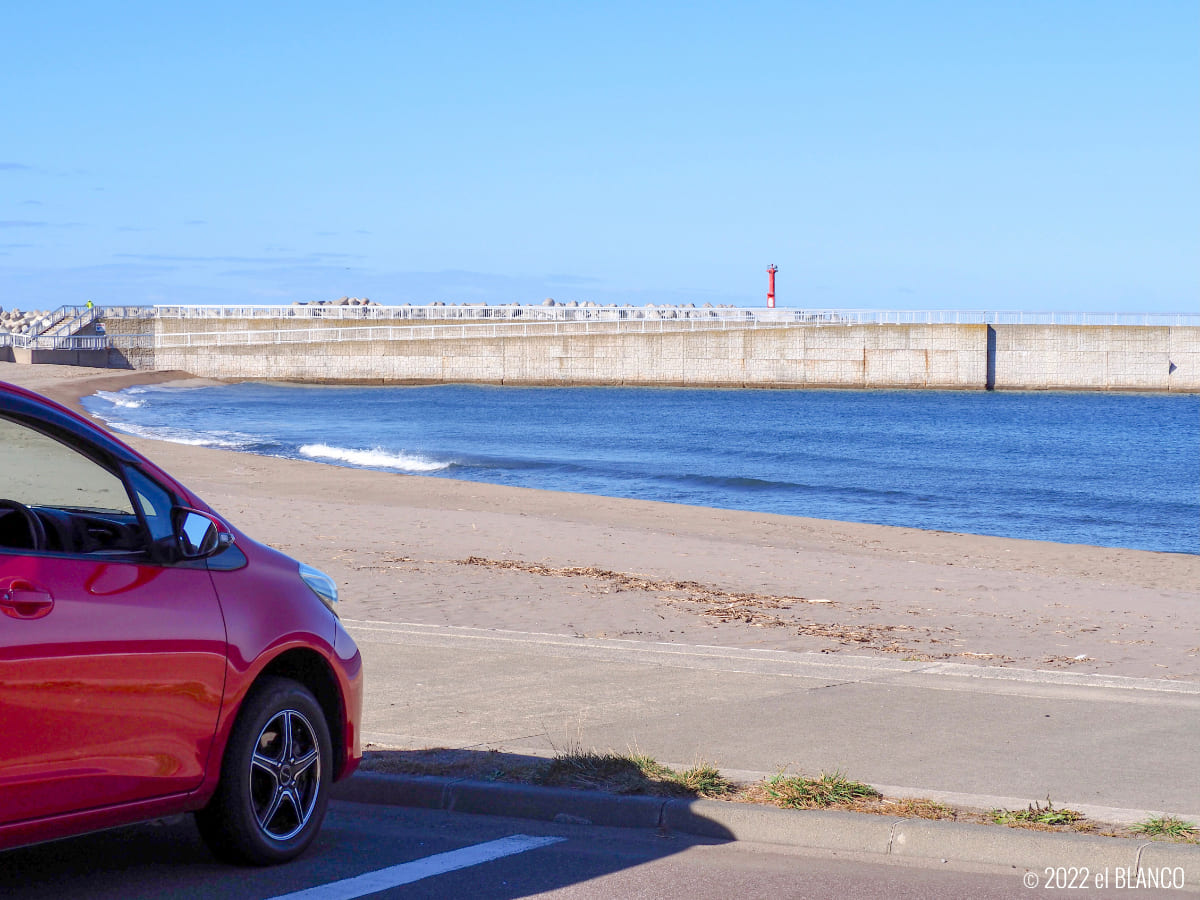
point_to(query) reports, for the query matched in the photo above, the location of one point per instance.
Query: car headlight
(322, 585)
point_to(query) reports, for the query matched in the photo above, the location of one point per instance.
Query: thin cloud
(34, 223)
(240, 260)
(15, 167)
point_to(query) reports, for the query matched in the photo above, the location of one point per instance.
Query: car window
(36, 470)
(155, 503)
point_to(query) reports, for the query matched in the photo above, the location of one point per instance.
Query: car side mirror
(199, 535)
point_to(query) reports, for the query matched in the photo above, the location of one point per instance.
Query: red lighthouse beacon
(771, 270)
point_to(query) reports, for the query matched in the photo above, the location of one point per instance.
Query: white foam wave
(224, 440)
(377, 458)
(116, 399)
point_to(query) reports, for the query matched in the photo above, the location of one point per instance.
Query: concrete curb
(1034, 851)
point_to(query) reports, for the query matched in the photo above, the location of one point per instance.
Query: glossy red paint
(258, 643)
(114, 694)
(122, 674)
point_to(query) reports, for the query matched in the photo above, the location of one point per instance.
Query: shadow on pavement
(167, 858)
(611, 773)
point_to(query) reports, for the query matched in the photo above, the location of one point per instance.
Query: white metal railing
(68, 320)
(441, 312)
(443, 331)
(467, 321)
(62, 323)
(1014, 317)
(54, 342)
(562, 313)
(549, 321)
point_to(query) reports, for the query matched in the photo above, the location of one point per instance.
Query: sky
(1037, 156)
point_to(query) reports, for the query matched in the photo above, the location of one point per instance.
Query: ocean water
(1118, 470)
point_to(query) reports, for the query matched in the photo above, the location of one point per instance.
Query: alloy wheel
(285, 775)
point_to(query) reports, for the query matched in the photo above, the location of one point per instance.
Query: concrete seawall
(972, 357)
(1081, 357)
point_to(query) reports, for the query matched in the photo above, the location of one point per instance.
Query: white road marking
(407, 873)
(755, 660)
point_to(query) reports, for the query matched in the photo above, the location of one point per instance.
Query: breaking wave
(377, 458)
(225, 440)
(117, 399)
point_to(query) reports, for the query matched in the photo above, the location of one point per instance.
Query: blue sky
(918, 155)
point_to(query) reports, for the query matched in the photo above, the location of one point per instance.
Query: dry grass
(1168, 828)
(635, 773)
(613, 773)
(1047, 817)
(826, 791)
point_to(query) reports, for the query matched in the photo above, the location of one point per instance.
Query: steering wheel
(37, 531)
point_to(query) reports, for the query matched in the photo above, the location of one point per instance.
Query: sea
(1107, 469)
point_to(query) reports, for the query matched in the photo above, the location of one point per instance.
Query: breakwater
(629, 346)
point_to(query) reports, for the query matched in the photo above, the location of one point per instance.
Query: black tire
(271, 799)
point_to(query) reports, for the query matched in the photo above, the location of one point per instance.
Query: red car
(153, 659)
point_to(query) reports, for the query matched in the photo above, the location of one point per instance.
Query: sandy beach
(433, 551)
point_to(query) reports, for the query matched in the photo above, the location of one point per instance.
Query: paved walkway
(1112, 747)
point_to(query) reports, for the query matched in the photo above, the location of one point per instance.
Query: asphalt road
(390, 844)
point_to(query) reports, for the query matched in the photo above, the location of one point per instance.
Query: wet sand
(415, 549)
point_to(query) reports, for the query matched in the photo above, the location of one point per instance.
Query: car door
(112, 656)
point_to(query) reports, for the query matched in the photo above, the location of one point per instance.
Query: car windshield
(37, 470)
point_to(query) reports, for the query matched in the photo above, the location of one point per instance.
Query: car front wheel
(275, 778)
